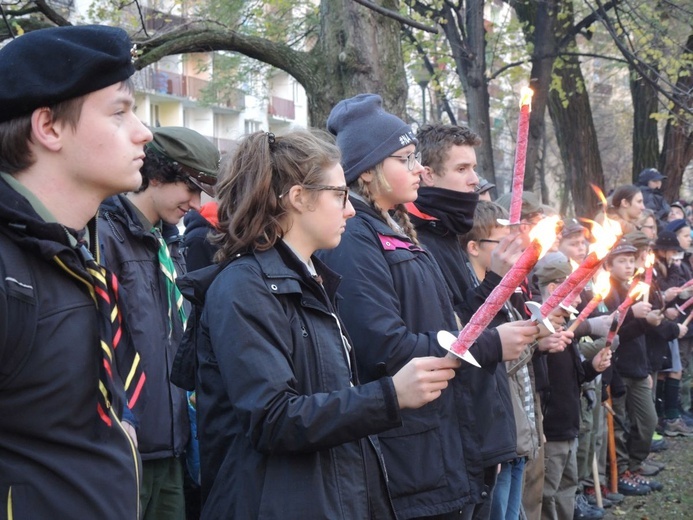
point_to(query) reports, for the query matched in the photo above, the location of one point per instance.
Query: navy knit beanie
(366, 134)
(48, 66)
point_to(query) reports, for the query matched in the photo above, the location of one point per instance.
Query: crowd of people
(281, 358)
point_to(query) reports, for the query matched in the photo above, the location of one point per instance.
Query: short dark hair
(159, 167)
(436, 139)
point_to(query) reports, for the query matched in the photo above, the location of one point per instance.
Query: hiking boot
(656, 463)
(648, 470)
(659, 445)
(653, 484)
(614, 498)
(584, 511)
(629, 487)
(676, 427)
(591, 497)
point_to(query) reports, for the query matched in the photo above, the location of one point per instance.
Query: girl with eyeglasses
(395, 300)
(285, 429)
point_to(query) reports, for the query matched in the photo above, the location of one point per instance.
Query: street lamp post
(422, 78)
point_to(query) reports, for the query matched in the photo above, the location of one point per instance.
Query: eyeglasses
(412, 158)
(324, 187)
(488, 240)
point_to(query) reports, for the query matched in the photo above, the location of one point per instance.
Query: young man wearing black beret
(69, 138)
(141, 245)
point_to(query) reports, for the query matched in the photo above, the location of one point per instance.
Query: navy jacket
(395, 301)
(131, 252)
(52, 462)
(283, 433)
(488, 387)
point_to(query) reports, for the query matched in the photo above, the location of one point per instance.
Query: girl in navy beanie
(395, 299)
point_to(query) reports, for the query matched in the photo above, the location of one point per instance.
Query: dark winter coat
(283, 433)
(395, 302)
(52, 463)
(131, 252)
(630, 358)
(199, 251)
(561, 401)
(488, 388)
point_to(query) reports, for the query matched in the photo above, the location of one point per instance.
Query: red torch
(520, 154)
(636, 291)
(601, 289)
(543, 236)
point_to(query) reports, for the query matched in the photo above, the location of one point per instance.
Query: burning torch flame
(605, 236)
(545, 232)
(602, 285)
(526, 94)
(637, 291)
(649, 261)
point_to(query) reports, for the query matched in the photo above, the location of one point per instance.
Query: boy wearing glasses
(141, 244)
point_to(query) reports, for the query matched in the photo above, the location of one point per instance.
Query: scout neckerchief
(167, 267)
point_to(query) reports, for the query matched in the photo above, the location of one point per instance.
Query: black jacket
(52, 463)
(131, 252)
(561, 401)
(488, 387)
(283, 433)
(395, 302)
(630, 359)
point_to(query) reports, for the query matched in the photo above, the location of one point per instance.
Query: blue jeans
(507, 495)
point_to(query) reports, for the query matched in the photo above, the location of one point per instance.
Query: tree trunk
(361, 52)
(539, 26)
(470, 62)
(571, 114)
(677, 152)
(356, 51)
(645, 137)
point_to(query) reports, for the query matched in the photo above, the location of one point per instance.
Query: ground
(676, 499)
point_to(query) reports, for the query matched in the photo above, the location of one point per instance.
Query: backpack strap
(21, 317)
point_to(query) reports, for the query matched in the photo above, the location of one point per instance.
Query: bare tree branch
(396, 16)
(50, 13)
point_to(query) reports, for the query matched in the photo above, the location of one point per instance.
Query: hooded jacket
(283, 421)
(395, 302)
(52, 462)
(131, 252)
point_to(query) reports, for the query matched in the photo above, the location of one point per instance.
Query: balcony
(282, 109)
(189, 87)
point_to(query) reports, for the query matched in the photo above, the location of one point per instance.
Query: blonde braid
(402, 218)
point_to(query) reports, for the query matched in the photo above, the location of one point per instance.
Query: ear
(473, 248)
(428, 177)
(45, 131)
(297, 199)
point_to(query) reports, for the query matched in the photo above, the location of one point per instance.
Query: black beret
(47, 66)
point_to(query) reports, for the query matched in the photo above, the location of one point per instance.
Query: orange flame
(637, 291)
(600, 195)
(545, 232)
(649, 261)
(526, 94)
(605, 235)
(638, 272)
(602, 285)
